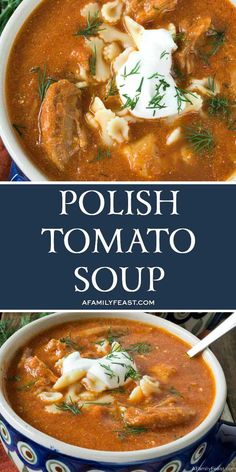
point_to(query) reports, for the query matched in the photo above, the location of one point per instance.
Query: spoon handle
(222, 329)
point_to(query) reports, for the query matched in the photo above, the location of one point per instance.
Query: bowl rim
(7, 133)
(128, 457)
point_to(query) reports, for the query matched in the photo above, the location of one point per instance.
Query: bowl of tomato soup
(111, 392)
(135, 91)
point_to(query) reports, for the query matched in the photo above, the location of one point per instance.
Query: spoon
(222, 329)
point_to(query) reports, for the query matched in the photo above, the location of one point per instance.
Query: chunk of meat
(62, 131)
(159, 417)
(144, 11)
(39, 370)
(142, 156)
(56, 350)
(193, 33)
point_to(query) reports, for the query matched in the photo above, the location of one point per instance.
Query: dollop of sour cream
(105, 373)
(146, 86)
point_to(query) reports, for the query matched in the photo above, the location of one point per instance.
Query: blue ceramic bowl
(211, 445)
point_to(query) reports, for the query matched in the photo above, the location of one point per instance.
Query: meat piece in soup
(130, 381)
(136, 90)
(148, 10)
(61, 123)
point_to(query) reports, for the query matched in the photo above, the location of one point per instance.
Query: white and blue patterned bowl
(211, 445)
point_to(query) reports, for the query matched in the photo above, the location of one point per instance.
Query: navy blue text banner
(92, 247)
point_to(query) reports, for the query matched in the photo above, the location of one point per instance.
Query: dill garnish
(156, 101)
(117, 390)
(102, 154)
(140, 348)
(174, 391)
(164, 54)
(27, 386)
(183, 97)
(231, 124)
(112, 88)
(108, 370)
(44, 81)
(156, 76)
(179, 37)
(97, 403)
(70, 343)
(132, 374)
(93, 61)
(7, 9)
(133, 71)
(70, 406)
(130, 430)
(201, 139)
(19, 128)
(115, 335)
(130, 102)
(218, 105)
(13, 378)
(217, 40)
(139, 89)
(212, 84)
(92, 28)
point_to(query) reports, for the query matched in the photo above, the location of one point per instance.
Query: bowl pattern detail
(29, 456)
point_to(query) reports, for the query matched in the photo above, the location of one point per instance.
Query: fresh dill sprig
(174, 391)
(218, 105)
(101, 155)
(179, 37)
(71, 407)
(200, 139)
(134, 71)
(164, 54)
(97, 403)
(115, 335)
(183, 96)
(44, 81)
(112, 89)
(156, 75)
(139, 89)
(140, 348)
(108, 370)
(156, 101)
(13, 378)
(117, 390)
(27, 386)
(68, 341)
(130, 102)
(92, 28)
(217, 40)
(231, 124)
(212, 84)
(7, 9)
(130, 430)
(93, 61)
(132, 374)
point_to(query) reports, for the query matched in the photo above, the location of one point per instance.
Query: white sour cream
(106, 373)
(146, 78)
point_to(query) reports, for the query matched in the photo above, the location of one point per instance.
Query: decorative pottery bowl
(7, 133)
(211, 445)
